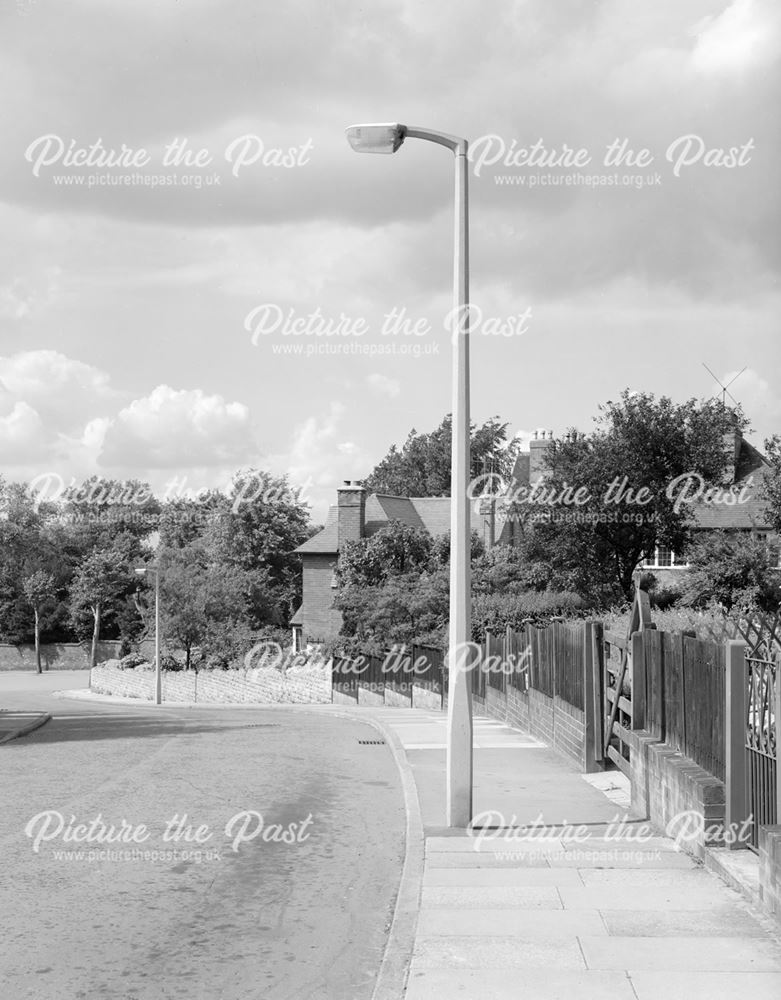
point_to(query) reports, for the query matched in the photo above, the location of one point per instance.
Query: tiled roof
(325, 541)
(750, 511)
(429, 513)
(381, 508)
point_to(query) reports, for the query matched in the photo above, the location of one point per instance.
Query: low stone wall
(262, 685)
(54, 656)
(552, 720)
(667, 786)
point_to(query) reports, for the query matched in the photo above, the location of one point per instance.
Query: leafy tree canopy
(422, 467)
(612, 494)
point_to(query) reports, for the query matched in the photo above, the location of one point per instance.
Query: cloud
(383, 385)
(63, 391)
(744, 35)
(172, 428)
(321, 455)
(22, 435)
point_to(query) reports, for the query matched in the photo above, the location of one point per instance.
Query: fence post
(507, 665)
(638, 682)
(735, 743)
(591, 701)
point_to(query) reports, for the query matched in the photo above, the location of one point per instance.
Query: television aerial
(725, 388)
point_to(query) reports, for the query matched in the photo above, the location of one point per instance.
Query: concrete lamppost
(145, 571)
(387, 138)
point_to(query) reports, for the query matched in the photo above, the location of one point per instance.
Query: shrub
(495, 612)
(663, 598)
(171, 663)
(132, 660)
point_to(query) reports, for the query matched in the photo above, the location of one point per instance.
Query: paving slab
(460, 952)
(652, 897)
(627, 878)
(489, 844)
(539, 925)
(701, 954)
(485, 860)
(481, 897)
(706, 985)
(726, 920)
(490, 877)
(535, 984)
(617, 857)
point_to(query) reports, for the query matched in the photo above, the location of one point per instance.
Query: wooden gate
(618, 655)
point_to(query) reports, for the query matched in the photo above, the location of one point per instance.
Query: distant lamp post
(387, 138)
(155, 571)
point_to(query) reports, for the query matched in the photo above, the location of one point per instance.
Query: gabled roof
(326, 541)
(752, 510)
(431, 514)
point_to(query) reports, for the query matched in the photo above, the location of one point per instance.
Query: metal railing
(762, 680)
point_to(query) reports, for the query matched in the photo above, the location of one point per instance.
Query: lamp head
(384, 138)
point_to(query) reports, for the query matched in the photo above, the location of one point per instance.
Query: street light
(387, 138)
(145, 571)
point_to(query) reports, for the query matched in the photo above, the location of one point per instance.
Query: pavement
(560, 894)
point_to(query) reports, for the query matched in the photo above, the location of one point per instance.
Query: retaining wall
(54, 656)
(263, 685)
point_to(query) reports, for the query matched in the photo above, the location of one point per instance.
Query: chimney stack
(538, 455)
(351, 512)
(732, 439)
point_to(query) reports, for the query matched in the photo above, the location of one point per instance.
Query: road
(230, 917)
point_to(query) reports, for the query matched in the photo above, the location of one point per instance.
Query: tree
(100, 582)
(616, 493)
(731, 569)
(772, 481)
(395, 586)
(259, 527)
(205, 604)
(104, 508)
(24, 548)
(39, 590)
(422, 467)
(393, 550)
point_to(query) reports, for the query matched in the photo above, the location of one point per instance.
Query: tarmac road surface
(286, 893)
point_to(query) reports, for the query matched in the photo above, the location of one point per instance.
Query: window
(663, 557)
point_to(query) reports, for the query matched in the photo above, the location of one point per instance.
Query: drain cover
(373, 743)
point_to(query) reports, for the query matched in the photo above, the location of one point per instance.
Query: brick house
(744, 477)
(358, 515)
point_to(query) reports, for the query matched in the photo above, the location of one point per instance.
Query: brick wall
(552, 720)
(665, 785)
(300, 685)
(321, 620)
(54, 656)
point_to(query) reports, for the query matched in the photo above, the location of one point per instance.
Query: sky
(198, 274)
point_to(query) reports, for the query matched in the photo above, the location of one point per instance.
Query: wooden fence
(679, 696)
(398, 670)
(547, 680)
